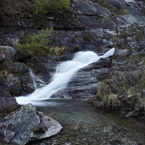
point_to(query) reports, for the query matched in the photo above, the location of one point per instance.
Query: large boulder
(26, 124)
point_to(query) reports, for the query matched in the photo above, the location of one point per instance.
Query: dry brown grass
(106, 96)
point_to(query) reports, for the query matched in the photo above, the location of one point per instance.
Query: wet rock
(86, 82)
(115, 142)
(143, 94)
(26, 124)
(8, 104)
(121, 55)
(11, 67)
(7, 52)
(14, 85)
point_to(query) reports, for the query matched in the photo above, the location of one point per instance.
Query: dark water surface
(83, 125)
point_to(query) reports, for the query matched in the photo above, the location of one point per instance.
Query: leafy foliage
(35, 44)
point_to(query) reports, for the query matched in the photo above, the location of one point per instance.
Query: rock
(47, 127)
(84, 84)
(89, 8)
(7, 52)
(26, 124)
(8, 104)
(121, 55)
(143, 94)
(15, 79)
(11, 67)
(121, 91)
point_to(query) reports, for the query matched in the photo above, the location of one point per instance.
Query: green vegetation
(126, 12)
(106, 95)
(34, 45)
(52, 6)
(13, 9)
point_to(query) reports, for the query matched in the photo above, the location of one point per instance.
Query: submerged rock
(26, 124)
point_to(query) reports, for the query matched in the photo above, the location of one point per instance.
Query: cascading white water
(33, 78)
(62, 76)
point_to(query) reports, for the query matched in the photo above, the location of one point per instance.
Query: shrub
(34, 45)
(52, 6)
(12, 9)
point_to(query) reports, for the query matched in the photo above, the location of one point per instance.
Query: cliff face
(86, 25)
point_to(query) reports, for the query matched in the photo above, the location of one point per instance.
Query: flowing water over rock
(83, 125)
(62, 76)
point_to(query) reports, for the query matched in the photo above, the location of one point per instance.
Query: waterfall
(33, 78)
(61, 77)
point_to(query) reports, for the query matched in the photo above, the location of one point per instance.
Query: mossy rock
(126, 81)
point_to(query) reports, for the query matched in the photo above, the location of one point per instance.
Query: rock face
(123, 91)
(27, 124)
(7, 52)
(86, 25)
(85, 83)
(8, 104)
(15, 79)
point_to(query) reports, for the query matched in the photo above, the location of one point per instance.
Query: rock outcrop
(86, 25)
(8, 105)
(123, 91)
(85, 83)
(7, 52)
(26, 124)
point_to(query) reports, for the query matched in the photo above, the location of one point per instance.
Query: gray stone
(8, 104)
(7, 52)
(85, 83)
(26, 124)
(143, 94)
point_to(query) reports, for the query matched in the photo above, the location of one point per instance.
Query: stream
(84, 125)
